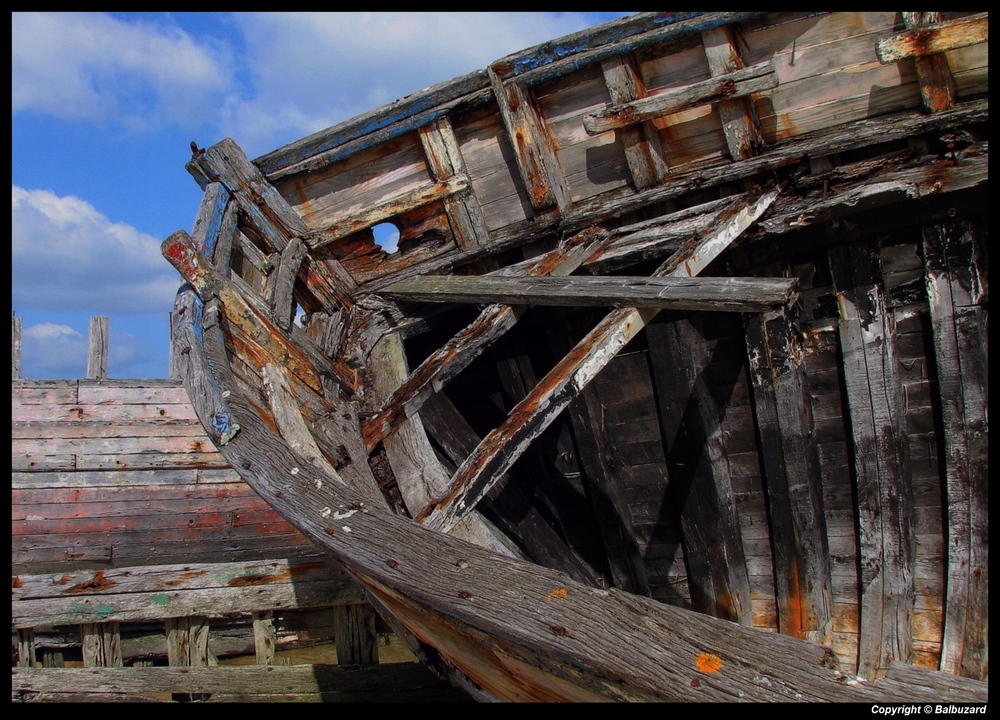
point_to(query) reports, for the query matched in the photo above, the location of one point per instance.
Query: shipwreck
(676, 385)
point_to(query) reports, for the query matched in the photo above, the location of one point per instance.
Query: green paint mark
(77, 609)
(105, 611)
(161, 599)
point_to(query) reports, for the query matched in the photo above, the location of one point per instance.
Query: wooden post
(26, 647)
(264, 637)
(187, 642)
(15, 348)
(101, 643)
(956, 291)
(881, 460)
(739, 119)
(937, 85)
(173, 360)
(354, 634)
(783, 410)
(97, 354)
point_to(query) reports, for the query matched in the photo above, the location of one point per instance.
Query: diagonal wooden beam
(443, 365)
(501, 447)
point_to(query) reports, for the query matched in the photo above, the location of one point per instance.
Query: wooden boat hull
(717, 144)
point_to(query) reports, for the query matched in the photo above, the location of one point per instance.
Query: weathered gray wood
(517, 517)
(155, 592)
(718, 294)
(264, 637)
(187, 641)
(97, 353)
(101, 644)
(937, 38)
(26, 657)
(284, 283)
(881, 461)
(394, 682)
(540, 171)
(15, 348)
(501, 447)
(204, 391)
(643, 150)
(354, 633)
(957, 289)
(740, 124)
(736, 84)
(417, 470)
(937, 84)
(444, 156)
(441, 366)
(690, 416)
(783, 410)
(209, 220)
(415, 573)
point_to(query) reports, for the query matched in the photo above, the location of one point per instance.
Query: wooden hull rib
(784, 212)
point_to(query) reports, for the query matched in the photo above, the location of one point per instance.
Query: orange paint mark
(558, 594)
(708, 663)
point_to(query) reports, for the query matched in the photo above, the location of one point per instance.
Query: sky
(104, 107)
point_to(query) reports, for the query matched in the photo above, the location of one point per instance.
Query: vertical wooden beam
(15, 348)
(643, 150)
(691, 421)
(937, 85)
(739, 119)
(783, 410)
(881, 460)
(444, 157)
(957, 293)
(536, 157)
(101, 643)
(354, 634)
(187, 642)
(264, 637)
(26, 647)
(97, 353)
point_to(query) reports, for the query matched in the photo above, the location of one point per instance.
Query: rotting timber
(685, 341)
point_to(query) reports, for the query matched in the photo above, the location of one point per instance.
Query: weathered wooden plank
(208, 223)
(356, 221)
(939, 37)
(604, 483)
(417, 470)
(957, 290)
(394, 682)
(444, 157)
(15, 348)
(691, 420)
(187, 642)
(97, 353)
(354, 633)
(501, 447)
(739, 119)
(716, 294)
(937, 85)
(444, 364)
(881, 460)
(101, 644)
(516, 516)
(269, 341)
(730, 86)
(783, 410)
(536, 158)
(283, 303)
(643, 150)
(264, 637)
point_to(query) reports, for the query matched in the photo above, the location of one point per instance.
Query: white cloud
(313, 70)
(68, 256)
(55, 351)
(96, 67)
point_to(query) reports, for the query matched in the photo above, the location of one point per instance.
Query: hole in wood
(387, 236)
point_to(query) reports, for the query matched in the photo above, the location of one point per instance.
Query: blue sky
(104, 106)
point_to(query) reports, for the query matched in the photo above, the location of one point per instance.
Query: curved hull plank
(793, 147)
